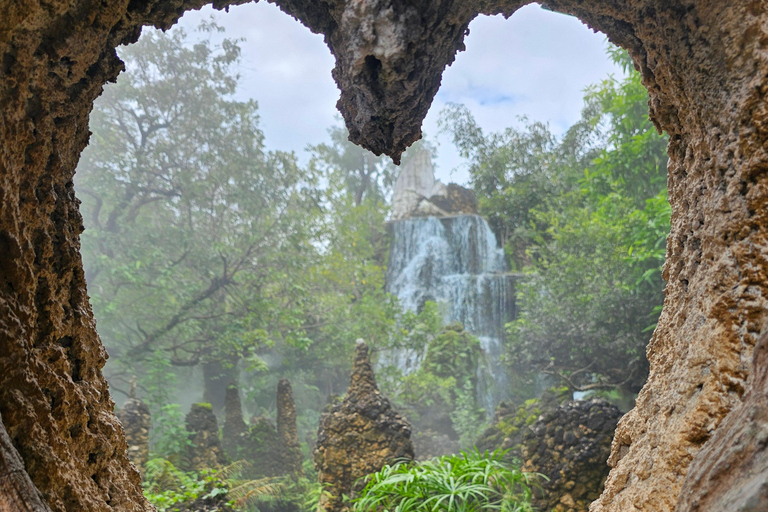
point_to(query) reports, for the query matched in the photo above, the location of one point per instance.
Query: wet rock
(358, 436)
(570, 445)
(136, 422)
(290, 449)
(204, 450)
(234, 425)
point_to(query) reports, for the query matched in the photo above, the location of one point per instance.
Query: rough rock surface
(731, 471)
(204, 450)
(358, 436)
(290, 448)
(570, 446)
(704, 63)
(234, 426)
(136, 422)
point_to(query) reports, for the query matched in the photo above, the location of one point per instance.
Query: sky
(535, 64)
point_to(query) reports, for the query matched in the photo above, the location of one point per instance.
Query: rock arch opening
(704, 64)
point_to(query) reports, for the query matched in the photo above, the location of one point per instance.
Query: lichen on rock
(358, 436)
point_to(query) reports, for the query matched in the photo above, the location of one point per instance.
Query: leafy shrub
(468, 482)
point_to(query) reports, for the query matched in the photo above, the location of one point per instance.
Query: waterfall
(456, 262)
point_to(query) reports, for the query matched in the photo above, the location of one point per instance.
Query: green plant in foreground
(467, 482)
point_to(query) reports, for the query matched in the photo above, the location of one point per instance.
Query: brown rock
(570, 444)
(702, 61)
(358, 436)
(204, 450)
(136, 423)
(234, 425)
(286, 429)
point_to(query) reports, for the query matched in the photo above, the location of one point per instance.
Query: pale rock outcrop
(418, 194)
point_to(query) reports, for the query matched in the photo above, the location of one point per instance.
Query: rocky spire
(234, 426)
(136, 423)
(358, 436)
(286, 428)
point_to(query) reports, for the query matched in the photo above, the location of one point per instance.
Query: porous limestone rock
(703, 62)
(234, 426)
(136, 422)
(287, 432)
(204, 450)
(358, 436)
(570, 446)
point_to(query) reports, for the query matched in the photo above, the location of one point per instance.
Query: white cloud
(535, 64)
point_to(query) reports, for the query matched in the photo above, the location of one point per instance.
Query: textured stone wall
(704, 63)
(358, 436)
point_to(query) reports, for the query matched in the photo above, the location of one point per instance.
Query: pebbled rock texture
(705, 64)
(136, 421)
(570, 446)
(234, 427)
(287, 432)
(358, 436)
(204, 450)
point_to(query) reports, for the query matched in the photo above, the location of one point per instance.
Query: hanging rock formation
(234, 425)
(290, 447)
(703, 62)
(136, 423)
(358, 436)
(570, 446)
(204, 450)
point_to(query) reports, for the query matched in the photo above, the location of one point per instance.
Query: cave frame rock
(704, 63)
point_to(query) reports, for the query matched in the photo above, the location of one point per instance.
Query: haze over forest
(237, 245)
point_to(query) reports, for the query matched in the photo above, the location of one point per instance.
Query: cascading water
(456, 262)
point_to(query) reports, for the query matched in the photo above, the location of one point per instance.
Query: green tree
(586, 218)
(197, 236)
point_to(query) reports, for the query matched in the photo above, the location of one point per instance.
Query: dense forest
(213, 261)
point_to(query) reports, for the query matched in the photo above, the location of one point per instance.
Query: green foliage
(471, 481)
(197, 235)
(586, 218)
(453, 353)
(468, 420)
(169, 488)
